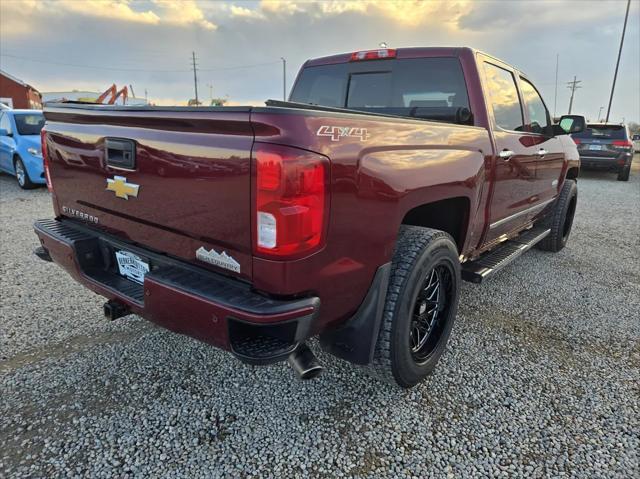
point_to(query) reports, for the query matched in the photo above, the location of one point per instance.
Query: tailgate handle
(120, 153)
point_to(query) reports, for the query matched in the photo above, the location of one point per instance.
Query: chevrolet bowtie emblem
(121, 188)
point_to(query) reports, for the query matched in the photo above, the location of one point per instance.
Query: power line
(142, 70)
(92, 67)
(239, 66)
(573, 85)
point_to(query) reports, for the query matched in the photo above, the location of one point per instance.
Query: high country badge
(223, 260)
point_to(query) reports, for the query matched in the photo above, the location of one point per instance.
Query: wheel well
(450, 215)
(572, 173)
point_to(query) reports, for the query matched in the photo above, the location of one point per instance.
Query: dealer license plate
(132, 266)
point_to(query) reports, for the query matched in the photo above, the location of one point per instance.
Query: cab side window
(505, 101)
(538, 114)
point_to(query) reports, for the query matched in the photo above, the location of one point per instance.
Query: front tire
(22, 175)
(560, 219)
(420, 307)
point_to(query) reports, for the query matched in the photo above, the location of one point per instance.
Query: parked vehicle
(606, 146)
(20, 153)
(636, 143)
(351, 212)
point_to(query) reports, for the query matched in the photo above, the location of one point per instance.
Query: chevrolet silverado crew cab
(349, 213)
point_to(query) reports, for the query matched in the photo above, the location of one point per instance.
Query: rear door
(514, 171)
(547, 148)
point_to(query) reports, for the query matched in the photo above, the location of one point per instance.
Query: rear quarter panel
(401, 164)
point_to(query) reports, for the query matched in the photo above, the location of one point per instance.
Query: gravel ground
(541, 377)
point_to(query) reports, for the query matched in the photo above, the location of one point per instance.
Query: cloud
(515, 15)
(112, 9)
(183, 12)
(410, 13)
(249, 13)
(15, 18)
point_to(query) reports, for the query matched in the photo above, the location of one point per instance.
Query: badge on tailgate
(122, 189)
(222, 260)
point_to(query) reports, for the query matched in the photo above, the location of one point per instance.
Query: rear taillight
(373, 54)
(291, 201)
(576, 141)
(45, 157)
(622, 144)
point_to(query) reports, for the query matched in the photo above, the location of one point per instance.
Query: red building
(17, 94)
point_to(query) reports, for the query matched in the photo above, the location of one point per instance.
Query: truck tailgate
(188, 188)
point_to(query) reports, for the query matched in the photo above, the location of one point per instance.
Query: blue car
(20, 153)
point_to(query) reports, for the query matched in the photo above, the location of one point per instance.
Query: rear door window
(505, 101)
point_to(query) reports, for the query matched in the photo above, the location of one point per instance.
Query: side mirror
(572, 124)
(3, 132)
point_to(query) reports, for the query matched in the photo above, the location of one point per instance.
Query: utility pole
(195, 76)
(615, 75)
(573, 85)
(284, 79)
(555, 96)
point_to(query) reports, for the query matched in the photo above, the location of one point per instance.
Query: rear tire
(22, 175)
(420, 307)
(560, 219)
(623, 174)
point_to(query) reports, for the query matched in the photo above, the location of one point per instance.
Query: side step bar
(486, 265)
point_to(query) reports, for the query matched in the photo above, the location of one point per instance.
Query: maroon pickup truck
(350, 213)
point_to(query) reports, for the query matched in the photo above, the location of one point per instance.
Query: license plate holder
(131, 266)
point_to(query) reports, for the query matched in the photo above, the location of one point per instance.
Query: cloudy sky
(74, 44)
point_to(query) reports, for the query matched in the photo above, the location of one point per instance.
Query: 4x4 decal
(337, 132)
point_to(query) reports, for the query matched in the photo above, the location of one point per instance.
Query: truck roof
(405, 52)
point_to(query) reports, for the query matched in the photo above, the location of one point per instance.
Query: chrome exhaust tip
(304, 362)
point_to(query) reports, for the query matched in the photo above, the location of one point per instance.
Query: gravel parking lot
(541, 378)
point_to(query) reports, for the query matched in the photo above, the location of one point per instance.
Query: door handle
(506, 154)
(542, 152)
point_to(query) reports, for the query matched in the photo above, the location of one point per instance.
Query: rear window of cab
(385, 86)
